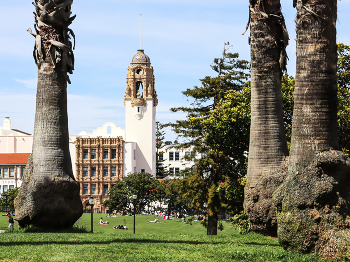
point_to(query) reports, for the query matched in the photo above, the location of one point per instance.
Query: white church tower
(140, 101)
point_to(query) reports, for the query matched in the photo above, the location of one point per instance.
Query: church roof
(140, 58)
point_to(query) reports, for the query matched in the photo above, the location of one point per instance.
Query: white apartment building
(174, 158)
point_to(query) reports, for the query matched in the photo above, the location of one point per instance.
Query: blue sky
(181, 37)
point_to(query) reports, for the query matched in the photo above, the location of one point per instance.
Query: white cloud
(31, 83)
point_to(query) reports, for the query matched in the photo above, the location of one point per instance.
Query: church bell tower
(140, 101)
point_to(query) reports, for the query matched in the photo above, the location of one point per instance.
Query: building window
(0, 175)
(5, 187)
(114, 153)
(105, 153)
(23, 168)
(105, 171)
(134, 154)
(177, 170)
(93, 189)
(85, 189)
(12, 172)
(171, 156)
(105, 189)
(85, 171)
(171, 170)
(113, 171)
(134, 169)
(0, 189)
(177, 156)
(85, 154)
(142, 171)
(93, 153)
(11, 186)
(6, 174)
(160, 156)
(93, 171)
(187, 153)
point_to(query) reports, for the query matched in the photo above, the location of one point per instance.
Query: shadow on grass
(260, 244)
(147, 241)
(74, 229)
(84, 242)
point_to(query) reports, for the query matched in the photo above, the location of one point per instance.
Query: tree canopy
(143, 185)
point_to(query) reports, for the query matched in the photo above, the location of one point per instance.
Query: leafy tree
(288, 84)
(118, 197)
(343, 81)
(143, 185)
(231, 75)
(200, 185)
(161, 171)
(8, 202)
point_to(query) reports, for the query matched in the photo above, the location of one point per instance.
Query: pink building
(15, 148)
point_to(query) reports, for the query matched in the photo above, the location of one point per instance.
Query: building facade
(11, 170)
(99, 163)
(15, 148)
(174, 159)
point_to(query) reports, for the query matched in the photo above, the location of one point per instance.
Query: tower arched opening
(139, 88)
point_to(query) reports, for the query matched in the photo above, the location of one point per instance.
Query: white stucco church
(140, 101)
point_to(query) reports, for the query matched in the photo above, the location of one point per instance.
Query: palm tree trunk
(51, 157)
(313, 202)
(315, 100)
(267, 144)
(49, 195)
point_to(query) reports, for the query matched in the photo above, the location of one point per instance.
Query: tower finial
(140, 31)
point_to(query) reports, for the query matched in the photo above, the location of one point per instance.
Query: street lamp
(92, 202)
(134, 197)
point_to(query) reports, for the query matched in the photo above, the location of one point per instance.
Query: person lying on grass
(120, 227)
(154, 221)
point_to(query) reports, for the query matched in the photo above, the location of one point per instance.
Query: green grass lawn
(165, 241)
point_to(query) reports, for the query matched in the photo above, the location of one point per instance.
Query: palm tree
(267, 144)
(313, 202)
(315, 100)
(268, 40)
(49, 196)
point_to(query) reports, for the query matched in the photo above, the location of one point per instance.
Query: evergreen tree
(201, 184)
(161, 171)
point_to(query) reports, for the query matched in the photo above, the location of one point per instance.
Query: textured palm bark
(313, 203)
(49, 195)
(315, 100)
(267, 144)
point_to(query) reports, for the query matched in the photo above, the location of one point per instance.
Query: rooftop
(14, 158)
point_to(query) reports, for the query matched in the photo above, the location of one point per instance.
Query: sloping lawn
(165, 241)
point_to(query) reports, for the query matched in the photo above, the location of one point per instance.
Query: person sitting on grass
(103, 223)
(154, 221)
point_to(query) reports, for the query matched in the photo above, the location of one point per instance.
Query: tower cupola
(140, 58)
(140, 81)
